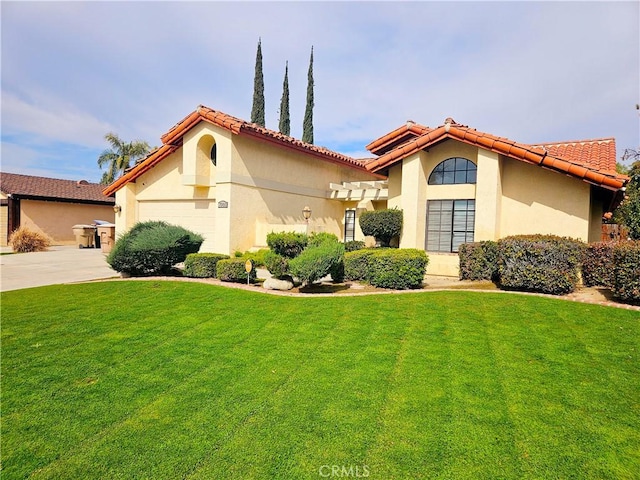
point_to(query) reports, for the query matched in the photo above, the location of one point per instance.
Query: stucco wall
(56, 219)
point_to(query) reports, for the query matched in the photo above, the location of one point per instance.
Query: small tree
(383, 225)
(629, 210)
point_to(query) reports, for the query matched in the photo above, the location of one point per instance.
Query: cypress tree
(307, 126)
(257, 112)
(285, 120)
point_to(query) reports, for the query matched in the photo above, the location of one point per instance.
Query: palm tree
(120, 156)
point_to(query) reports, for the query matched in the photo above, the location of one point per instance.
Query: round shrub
(383, 225)
(287, 244)
(478, 261)
(202, 265)
(23, 240)
(317, 262)
(353, 245)
(277, 265)
(356, 264)
(152, 247)
(597, 265)
(626, 271)
(318, 238)
(540, 263)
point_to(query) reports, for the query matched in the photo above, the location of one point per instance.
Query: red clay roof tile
(399, 136)
(590, 160)
(53, 188)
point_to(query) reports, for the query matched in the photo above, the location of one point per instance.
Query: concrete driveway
(61, 264)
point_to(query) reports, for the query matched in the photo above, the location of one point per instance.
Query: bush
(316, 262)
(400, 269)
(23, 240)
(276, 264)
(383, 225)
(233, 270)
(256, 257)
(152, 247)
(597, 265)
(478, 261)
(626, 271)
(353, 245)
(540, 263)
(356, 264)
(318, 238)
(287, 244)
(202, 265)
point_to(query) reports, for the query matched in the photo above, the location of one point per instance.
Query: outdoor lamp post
(306, 213)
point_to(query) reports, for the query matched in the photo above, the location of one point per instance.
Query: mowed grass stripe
(235, 384)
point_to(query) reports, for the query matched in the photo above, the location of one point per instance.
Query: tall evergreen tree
(257, 111)
(285, 120)
(307, 126)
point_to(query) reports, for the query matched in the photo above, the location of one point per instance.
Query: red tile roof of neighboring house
(28, 186)
(399, 136)
(172, 140)
(584, 160)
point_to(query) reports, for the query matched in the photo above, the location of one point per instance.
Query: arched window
(452, 171)
(214, 154)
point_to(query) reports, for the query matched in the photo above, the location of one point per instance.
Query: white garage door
(196, 215)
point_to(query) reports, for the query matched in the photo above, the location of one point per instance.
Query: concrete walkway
(61, 264)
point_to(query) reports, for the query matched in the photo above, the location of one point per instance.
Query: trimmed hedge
(202, 265)
(287, 244)
(626, 274)
(277, 265)
(383, 225)
(318, 238)
(316, 262)
(540, 263)
(233, 270)
(478, 261)
(152, 247)
(396, 268)
(597, 265)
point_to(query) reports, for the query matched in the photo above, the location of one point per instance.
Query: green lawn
(184, 380)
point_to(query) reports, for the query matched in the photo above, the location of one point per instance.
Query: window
(214, 155)
(453, 171)
(449, 224)
(349, 225)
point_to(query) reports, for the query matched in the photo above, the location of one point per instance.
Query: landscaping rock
(278, 284)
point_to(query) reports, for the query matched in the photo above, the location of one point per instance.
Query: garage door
(196, 215)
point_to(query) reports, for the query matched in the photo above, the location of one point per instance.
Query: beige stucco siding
(56, 219)
(536, 200)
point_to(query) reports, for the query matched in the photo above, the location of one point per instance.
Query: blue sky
(533, 72)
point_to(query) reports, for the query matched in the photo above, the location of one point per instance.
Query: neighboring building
(234, 182)
(50, 205)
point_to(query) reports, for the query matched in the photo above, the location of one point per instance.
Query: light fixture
(117, 208)
(306, 213)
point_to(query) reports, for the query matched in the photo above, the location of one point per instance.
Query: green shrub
(356, 264)
(233, 270)
(316, 262)
(202, 265)
(540, 263)
(277, 265)
(287, 244)
(597, 265)
(478, 261)
(23, 240)
(318, 238)
(400, 269)
(626, 271)
(353, 245)
(383, 225)
(152, 247)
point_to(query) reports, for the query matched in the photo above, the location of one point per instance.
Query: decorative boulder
(278, 283)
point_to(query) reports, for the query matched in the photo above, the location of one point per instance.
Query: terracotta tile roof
(598, 153)
(399, 136)
(172, 140)
(552, 156)
(28, 186)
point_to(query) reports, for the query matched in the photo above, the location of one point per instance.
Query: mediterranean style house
(50, 205)
(234, 182)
